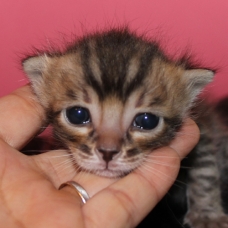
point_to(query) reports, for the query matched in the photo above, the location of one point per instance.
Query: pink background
(201, 26)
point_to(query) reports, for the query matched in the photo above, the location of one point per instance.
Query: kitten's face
(113, 98)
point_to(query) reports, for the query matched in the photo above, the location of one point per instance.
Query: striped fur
(117, 75)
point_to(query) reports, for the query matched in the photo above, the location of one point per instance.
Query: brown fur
(116, 76)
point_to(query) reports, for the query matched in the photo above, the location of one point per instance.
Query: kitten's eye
(146, 121)
(77, 115)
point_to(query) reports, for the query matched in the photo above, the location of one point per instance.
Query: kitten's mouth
(107, 172)
(111, 169)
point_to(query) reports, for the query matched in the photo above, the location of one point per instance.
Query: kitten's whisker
(150, 168)
(153, 171)
(66, 170)
(161, 163)
(66, 154)
(76, 169)
(151, 90)
(158, 162)
(166, 164)
(159, 156)
(64, 163)
(81, 175)
(151, 156)
(61, 156)
(63, 167)
(179, 184)
(160, 174)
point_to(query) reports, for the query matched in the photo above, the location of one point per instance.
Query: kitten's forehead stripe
(132, 69)
(71, 94)
(86, 96)
(94, 61)
(89, 76)
(113, 71)
(157, 100)
(145, 63)
(113, 63)
(140, 100)
(116, 63)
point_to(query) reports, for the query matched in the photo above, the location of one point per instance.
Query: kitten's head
(113, 97)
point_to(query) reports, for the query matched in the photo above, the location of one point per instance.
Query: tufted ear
(35, 68)
(196, 80)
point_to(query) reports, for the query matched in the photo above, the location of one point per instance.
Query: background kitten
(113, 97)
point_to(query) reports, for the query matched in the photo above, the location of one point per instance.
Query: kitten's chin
(110, 174)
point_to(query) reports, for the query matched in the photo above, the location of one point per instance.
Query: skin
(29, 195)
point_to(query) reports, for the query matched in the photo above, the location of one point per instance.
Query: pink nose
(107, 155)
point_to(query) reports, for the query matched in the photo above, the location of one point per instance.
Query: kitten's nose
(107, 155)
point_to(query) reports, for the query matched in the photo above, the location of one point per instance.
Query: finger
(70, 189)
(126, 202)
(21, 117)
(29, 199)
(186, 139)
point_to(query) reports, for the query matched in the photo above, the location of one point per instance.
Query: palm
(27, 197)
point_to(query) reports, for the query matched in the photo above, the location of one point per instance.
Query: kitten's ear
(196, 80)
(34, 67)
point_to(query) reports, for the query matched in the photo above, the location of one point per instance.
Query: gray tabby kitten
(114, 96)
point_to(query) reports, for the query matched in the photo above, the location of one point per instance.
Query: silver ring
(80, 190)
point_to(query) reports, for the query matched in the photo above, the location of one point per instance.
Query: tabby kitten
(114, 96)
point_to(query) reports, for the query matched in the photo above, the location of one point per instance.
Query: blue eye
(146, 121)
(77, 115)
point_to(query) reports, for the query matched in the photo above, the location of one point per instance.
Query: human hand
(29, 195)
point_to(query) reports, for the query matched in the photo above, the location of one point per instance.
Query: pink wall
(198, 25)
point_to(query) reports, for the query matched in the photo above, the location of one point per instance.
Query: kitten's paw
(200, 220)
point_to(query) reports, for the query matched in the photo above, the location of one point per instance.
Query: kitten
(114, 96)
